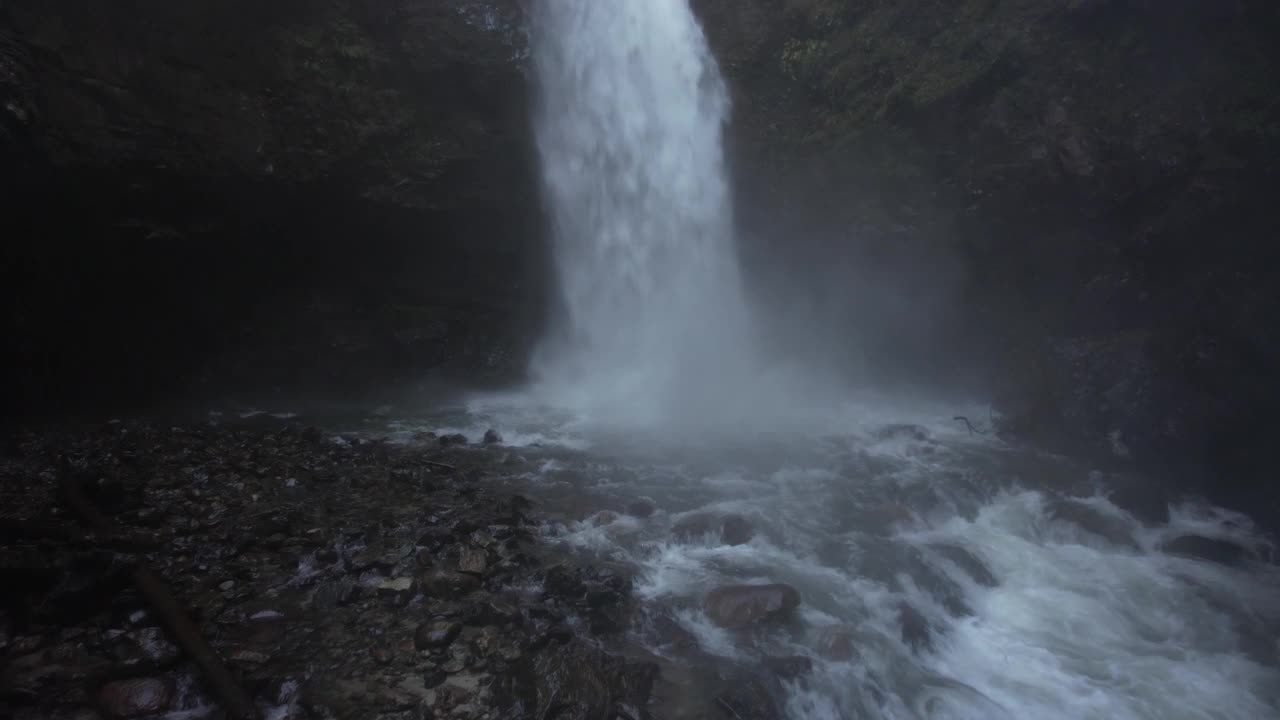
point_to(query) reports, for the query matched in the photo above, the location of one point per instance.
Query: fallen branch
(222, 684)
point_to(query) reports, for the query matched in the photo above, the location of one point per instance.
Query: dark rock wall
(1071, 202)
(292, 195)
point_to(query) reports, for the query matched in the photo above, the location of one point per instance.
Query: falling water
(629, 127)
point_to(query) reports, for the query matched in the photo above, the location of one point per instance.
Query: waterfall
(629, 123)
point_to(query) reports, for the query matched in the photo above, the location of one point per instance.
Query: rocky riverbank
(338, 577)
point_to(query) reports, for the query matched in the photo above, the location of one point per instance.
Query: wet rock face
(735, 606)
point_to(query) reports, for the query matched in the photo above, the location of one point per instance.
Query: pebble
(438, 634)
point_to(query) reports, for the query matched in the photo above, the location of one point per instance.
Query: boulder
(734, 606)
(492, 437)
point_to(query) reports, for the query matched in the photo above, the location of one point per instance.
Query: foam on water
(1074, 609)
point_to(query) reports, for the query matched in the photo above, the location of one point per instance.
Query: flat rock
(734, 606)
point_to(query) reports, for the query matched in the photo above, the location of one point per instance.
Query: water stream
(943, 574)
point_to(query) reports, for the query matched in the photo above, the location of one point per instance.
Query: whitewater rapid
(1048, 590)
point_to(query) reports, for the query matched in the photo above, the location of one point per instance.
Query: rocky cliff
(262, 194)
(1072, 200)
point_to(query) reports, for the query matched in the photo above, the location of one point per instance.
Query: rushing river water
(943, 574)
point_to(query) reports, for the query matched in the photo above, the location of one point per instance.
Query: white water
(1086, 615)
(631, 112)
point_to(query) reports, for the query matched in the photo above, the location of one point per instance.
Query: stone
(577, 682)
(448, 585)
(735, 606)
(915, 628)
(492, 437)
(642, 508)
(736, 530)
(454, 439)
(969, 563)
(693, 526)
(472, 561)
(135, 697)
(748, 699)
(395, 585)
(789, 668)
(148, 645)
(731, 529)
(397, 591)
(487, 641)
(438, 634)
(1114, 530)
(1214, 550)
(837, 645)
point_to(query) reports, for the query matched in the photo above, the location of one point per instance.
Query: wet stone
(1223, 552)
(472, 561)
(492, 437)
(642, 508)
(454, 439)
(736, 530)
(789, 668)
(444, 584)
(748, 700)
(838, 645)
(969, 563)
(438, 634)
(734, 606)
(915, 628)
(136, 697)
